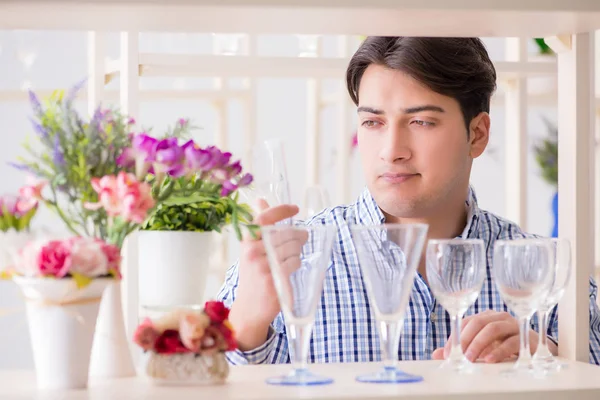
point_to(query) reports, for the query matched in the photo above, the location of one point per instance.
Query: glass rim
(521, 241)
(360, 227)
(299, 227)
(456, 241)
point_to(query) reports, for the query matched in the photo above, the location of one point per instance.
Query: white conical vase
(111, 356)
(62, 322)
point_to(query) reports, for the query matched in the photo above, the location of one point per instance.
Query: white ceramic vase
(173, 268)
(62, 322)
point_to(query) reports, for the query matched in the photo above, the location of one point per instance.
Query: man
(423, 117)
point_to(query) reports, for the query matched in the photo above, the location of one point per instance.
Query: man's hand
(491, 336)
(256, 304)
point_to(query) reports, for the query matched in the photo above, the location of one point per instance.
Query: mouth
(397, 178)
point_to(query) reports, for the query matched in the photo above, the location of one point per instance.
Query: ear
(479, 134)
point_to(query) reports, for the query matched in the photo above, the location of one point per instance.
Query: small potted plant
(187, 346)
(196, 194)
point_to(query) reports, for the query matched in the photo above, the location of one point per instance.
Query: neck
(446, 222)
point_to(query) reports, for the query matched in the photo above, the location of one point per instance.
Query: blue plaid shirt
(345, 328)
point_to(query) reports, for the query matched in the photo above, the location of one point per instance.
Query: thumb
(261, 204)
(438, 354)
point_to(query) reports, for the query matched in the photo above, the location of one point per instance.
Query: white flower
(87, 257)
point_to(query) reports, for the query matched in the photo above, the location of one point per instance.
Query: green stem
(62, 216)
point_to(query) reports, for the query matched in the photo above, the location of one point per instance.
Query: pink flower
(26, 259)
(191, 329)
(33, 189)
(54, 259)
(123, 196)
(145, 335)
(113, 257)
(136, 198)
(88, 257)
(106, 187)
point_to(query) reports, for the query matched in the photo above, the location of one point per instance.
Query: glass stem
(456, 352)
(524, 348)
(542, 350)
(390, 341)
(300, 337)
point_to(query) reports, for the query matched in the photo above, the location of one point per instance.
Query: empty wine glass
(298, 259)
(269, 171)
(388, 255)
(561, 256)
(456, 269)
(523, 271)
(315, 200)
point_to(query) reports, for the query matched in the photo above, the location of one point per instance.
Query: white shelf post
(575, 188)
(515, 160)
(96, 70)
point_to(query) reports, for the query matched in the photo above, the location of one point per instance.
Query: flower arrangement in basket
(105, 181)
(187, 346)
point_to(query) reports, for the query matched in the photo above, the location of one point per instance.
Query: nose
(395, 145)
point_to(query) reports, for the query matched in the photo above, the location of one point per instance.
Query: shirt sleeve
(594, 325)
(275, 348)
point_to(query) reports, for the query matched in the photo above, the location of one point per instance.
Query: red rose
(228, 336)
(216, 311)
(169, 343)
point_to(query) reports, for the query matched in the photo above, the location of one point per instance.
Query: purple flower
(39, 129)
(131, 121)
(183, 122)
(35, 103)
(57, 155)
(228, 188)
(140, 154)
(196, 159)
(235, 168)
(245, 180)
(168, 158)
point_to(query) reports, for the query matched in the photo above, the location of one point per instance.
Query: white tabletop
(579, 381)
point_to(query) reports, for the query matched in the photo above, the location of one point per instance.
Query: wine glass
(523, 271)
(561, 256)
(315, 200)
(456, 269)
(388, 255)
(269, 171)
(299, 256)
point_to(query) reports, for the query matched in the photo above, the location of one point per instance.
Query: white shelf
(528, 18)
(578, 381)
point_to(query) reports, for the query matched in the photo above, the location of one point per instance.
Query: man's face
(414, 146)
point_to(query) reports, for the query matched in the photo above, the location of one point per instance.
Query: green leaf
(81, 280)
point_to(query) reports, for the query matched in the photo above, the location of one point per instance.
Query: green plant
(542, 46)
(546, 154)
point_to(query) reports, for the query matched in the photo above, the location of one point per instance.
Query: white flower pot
(185, 369)
(62, 322)
(173, 268)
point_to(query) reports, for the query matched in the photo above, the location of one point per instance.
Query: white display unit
(568, 25)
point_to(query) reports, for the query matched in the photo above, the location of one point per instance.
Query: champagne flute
(561, 256)
(298, 259)
(456, 269)
(315, 200)
(523, 271)
(388, 255)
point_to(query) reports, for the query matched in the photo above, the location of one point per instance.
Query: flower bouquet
(187, 346)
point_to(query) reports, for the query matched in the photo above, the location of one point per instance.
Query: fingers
(490, 333)
(438, 354)
(476, 323)
(271, 216)
(504, 350)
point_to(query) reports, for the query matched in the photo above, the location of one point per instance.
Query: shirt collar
(369, 213)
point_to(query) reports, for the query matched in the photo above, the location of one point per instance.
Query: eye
(423, 123)
(369, 123)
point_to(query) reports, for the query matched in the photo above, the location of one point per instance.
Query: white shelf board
(578, 381)
(484, 18)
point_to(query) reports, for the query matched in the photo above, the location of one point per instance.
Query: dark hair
(455, 67)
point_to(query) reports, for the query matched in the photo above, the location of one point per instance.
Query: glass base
(299, 377)
(523, 368)
(461, 365)
(389, 375)
(548, 364)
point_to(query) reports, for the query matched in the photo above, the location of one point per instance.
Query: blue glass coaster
(299, 377)
(389, 375)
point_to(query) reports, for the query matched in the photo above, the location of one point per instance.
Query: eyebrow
(411, 110)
